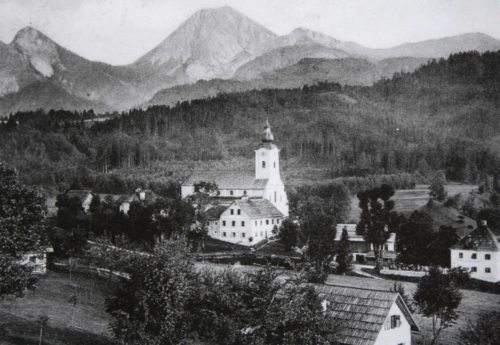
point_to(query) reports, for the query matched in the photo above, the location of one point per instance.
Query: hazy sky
(119, 31)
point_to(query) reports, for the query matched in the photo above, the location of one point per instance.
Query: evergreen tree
(344, 256)
(437, 188)
(288, 234)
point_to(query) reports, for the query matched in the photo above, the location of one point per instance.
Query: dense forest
(444, 116)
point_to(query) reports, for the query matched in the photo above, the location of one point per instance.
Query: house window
(224, 234)
(231, 192)
(487, 270)
(275, 196)
(242, 223)
(216, 223)
(473, 256)
(263, 164)
(239, 212)
(487, 256)
(234, 234)
(267, 221)
(245, 193)
(395, 321)
(386, 247)
(223, 223)
(33, 258)
(242, 234)
(460, 255)
(232, 212)
(272, 221)
(473, 269)
(233, 223)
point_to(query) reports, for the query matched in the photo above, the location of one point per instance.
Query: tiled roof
(482, 238)
(258, 208)
(78, 193)
(362, 312)
(214, 213)
(353, 237)
(227, 179)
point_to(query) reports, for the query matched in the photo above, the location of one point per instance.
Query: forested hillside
(445, 116)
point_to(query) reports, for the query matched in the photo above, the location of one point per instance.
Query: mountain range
(215, 50)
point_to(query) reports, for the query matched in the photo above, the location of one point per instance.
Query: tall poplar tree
(378, 219)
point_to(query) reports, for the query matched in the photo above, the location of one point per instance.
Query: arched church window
(263, 164)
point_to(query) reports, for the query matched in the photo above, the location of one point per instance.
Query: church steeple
(268, 136)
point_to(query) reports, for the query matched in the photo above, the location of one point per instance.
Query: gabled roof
(362, 312)
(214, 213)
(353, 236)
(258, 208)
(80, 194)
(227, 179)
(149, 195)
(482, 238)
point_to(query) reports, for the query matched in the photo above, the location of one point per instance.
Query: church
(249, 206)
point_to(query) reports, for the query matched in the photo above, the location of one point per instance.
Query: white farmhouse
(362, 250)
(246, 221)
(264, 183)
(479, 252)
(368, 316)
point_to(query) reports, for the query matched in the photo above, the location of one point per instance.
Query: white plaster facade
(399, 335)
(479, 253)
(237, 225)
(483, 265)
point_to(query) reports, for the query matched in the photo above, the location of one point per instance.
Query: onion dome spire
(268, 136)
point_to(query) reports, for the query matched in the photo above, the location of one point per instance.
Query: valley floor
(86, 322)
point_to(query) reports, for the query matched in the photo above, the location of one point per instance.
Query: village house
(478, 252)
(85, 197)
(249, 206)
(246, 221)
(37, 261)
(368, 316)
(140, 195)
(362, 250)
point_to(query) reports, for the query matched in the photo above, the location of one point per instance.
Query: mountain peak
(29, 33)
(40, 50)
(211, 43)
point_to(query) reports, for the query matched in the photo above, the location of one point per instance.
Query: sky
(120, 31)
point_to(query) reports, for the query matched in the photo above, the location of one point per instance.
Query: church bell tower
(267, 163)
(267, 167)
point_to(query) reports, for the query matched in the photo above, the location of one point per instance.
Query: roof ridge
(360, 288)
